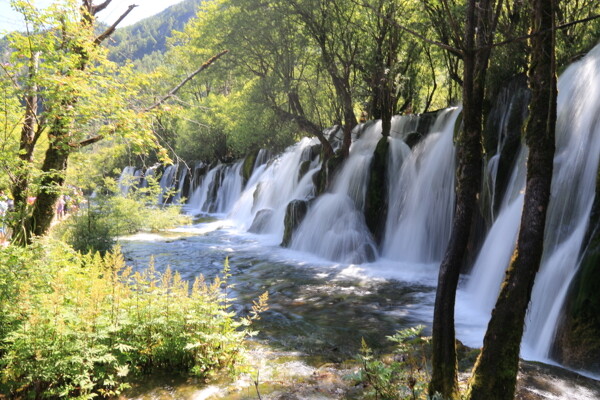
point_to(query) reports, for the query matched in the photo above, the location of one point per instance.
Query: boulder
(261, 220)
(294, 215)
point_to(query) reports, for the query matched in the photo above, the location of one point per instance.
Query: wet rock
(578, 338)
(261, 221)
(294, 215)
(304, 167)
(248, 167)
(376, 201)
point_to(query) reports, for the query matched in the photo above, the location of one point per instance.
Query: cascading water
(127, 179)
(573, 185)
(422, 197)
(272, 186)
(218, 191)
(167, 181)
(334, 227)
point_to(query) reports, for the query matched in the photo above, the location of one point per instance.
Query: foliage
(404, 375)
(107, 216)
(79, 326)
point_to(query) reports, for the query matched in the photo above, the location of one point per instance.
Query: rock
(304, 167)
(376, 201)
(261, 220)
(577, 343)
(413, 138)
(324, 177)
(294, 215)
(248, 167)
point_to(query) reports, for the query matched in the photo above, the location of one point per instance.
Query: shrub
(79, 326)
(95, 227)
(404, 375)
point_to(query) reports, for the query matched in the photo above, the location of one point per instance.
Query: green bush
(95, 227)
(79, 326)
(403, 375)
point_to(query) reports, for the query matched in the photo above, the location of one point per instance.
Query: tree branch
(86, 142)
(112, 28)
(534, 34)
(448, 48)
(186, 80)
(100, 7)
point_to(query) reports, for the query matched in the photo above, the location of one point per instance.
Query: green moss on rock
(248, 167)
(294, 215)
(578, 338)
(376, 202)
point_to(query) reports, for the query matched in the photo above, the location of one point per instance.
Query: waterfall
(230, 189)
(273, 185)
(166, 183)
(217, 191)
(127, 179)
(573, 190)
(334, 227)
(421, 201)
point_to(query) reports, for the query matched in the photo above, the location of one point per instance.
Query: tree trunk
(29, 136)
(54, 169)
(495, 372)
(480, 16)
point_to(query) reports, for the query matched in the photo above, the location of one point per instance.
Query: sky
(11, 20)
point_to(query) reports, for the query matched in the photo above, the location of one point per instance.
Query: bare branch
(112, 28)
(559, 27)
(186, 80)
(100, 7)
(450, 49)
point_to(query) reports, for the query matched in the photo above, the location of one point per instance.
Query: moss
(578, 339)
(376, 204)
(248, 167)
(294, 215)
(324, 177)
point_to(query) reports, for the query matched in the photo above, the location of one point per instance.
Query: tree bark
(479, 34)
(495, 372)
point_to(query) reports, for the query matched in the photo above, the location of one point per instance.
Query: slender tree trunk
(480, 16)
(29, 136)
(495, 372)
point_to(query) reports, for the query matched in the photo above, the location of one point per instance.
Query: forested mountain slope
(150, 35)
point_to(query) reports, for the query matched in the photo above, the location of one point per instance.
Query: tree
(482, 17)
(496, 369)
(65, 97)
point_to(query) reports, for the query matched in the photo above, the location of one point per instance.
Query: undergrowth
(81, 326)
(402, 375)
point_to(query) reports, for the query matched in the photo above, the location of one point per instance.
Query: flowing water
(335, 284)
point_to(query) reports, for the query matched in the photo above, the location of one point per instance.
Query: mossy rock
(248, 167)
(577, 343)
(376, 202)
(323, 179)
(413, 138)
(294, 215)
(304, 167)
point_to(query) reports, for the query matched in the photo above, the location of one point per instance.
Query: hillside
(149, 36)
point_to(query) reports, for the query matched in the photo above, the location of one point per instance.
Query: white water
(573, 186)
(272, 186)
(422, 197)
(335, 227)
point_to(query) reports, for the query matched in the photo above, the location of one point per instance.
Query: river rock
(261, 220)
(248, 167)
(294, 215)
(376, 201)
(578, 338)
